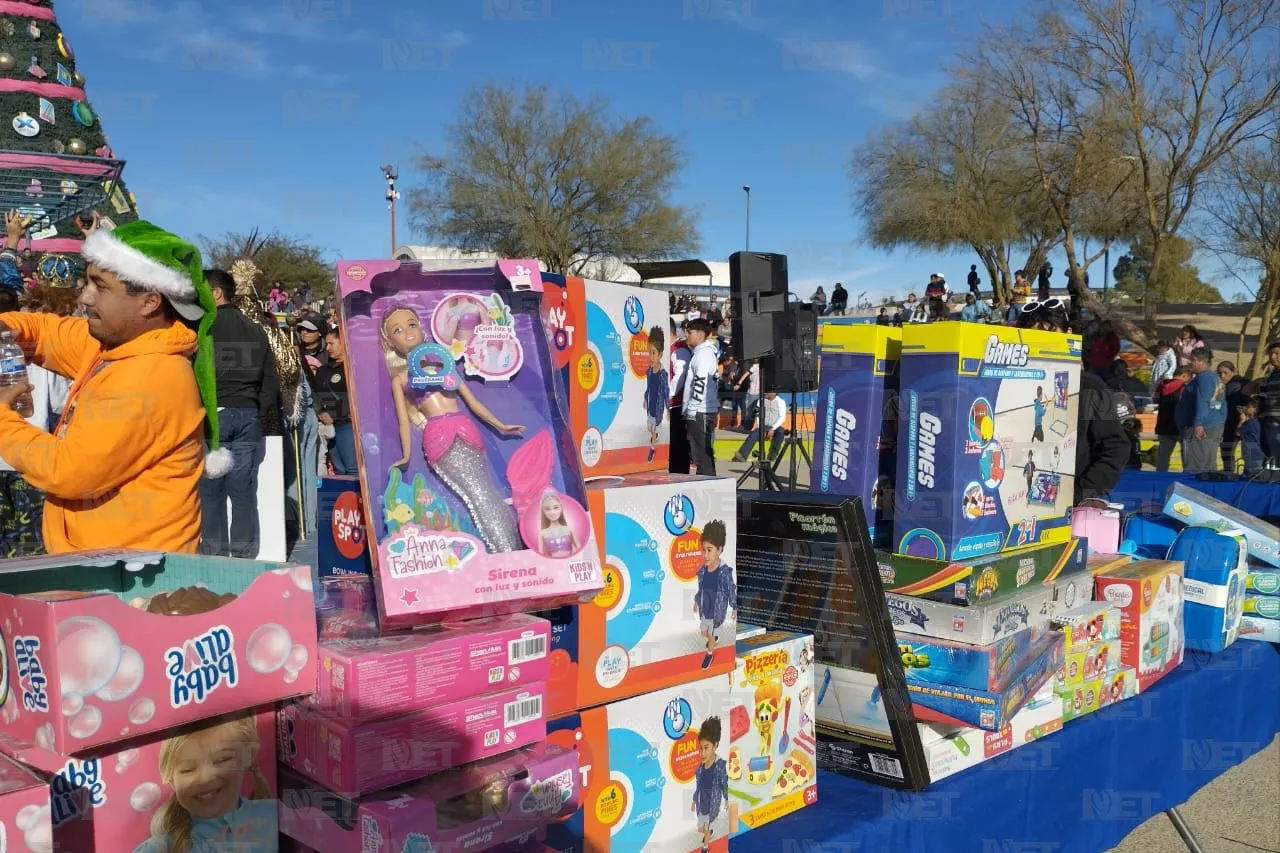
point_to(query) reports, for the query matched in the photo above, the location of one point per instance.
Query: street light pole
(1106, 270)
(390, 174)
(746, 188)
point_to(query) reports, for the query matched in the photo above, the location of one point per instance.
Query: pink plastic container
(357, 758)
(541, 786)
(389, 676)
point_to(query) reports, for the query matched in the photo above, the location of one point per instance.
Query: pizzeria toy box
(1148, 594)
(1189, 506)
(474, 500)
(667, 612)
(948, 749)
(362, 756)
(978, 625)
(495, 804)
(855, 449)
(654, 773)
(772, 770)
(216, 777)
(602, 337)
(375, 678)
(94, 653)
(342, 545)
(986, 438)
(982, 579)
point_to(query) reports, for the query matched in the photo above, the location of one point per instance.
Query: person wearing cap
(312, 329)
(122, 467)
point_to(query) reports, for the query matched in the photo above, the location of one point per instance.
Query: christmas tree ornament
(33, 32)
(6, 62)
(46, 111)
(64, 47)
(6, 28)
(35, 189)
(69, 187)
(35, 70)
(78, 79)
(55, 271)
(77, 147)
(58, 147)
(105, 152)
(82, 113)
(64, 76)
(25, 125)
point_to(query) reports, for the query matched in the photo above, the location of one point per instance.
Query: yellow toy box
(772, 765)
(986, 439)
(1149, 596)
(654, 773)
(667, 613)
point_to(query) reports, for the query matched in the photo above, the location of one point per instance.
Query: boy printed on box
(1029, 471)
(656, 390)
(711, 780)
(717, 591)
(207, 770)
(1040, 405)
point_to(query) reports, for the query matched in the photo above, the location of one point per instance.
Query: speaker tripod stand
(765, 466)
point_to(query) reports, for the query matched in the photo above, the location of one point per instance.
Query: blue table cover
(1138, 487)
(1080, 790)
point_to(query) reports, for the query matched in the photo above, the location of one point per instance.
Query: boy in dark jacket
(1167, 432)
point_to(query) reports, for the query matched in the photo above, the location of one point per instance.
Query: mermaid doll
(555, 538)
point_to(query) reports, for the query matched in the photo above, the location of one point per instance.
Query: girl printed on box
(556, 539)
(207, 770)
(451, 439)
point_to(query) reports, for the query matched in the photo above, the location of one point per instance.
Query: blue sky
(278, 113)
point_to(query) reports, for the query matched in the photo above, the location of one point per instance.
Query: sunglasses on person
(1046, 305)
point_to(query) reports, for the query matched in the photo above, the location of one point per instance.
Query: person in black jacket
(248, 409)
(1236, 398)
(1102, 448)
(334, 407)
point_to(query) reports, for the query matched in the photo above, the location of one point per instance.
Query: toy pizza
(735, 763)
(797, 774)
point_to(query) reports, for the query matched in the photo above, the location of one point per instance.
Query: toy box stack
(987, 439)
(126, 670)
(855, 445)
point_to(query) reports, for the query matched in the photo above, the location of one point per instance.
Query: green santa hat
(155, 260)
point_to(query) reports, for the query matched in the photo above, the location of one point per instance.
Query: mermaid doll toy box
(610, 341)
(475, 504)
(667, 613)
(986, 437)
(205, 636)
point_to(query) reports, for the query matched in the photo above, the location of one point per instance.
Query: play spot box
(986, 438)
(342, 542)
(667, 613)
(855, 444)
(600, 339)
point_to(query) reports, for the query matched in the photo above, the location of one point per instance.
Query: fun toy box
(988, 709)
(474, 495)
(26, 823)
(357, 758)
(978, 625)
(987, 439)
(983, 579)
(1214, 566)
(128, 797)
(855, 443)
(929, 660)
(85, 668)
(376, 678)
(1148, 594)
(499, 804)
(599, 334)
(1189, 506)
(342, 545)
(643, 769)
(645, 630)
(948, 749)
(772, 769)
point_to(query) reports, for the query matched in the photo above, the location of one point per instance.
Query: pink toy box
(26, 824)
(500, 801)
(361, 757)
(86, 668)
(386, 676)
(474, 497)
(217, 777)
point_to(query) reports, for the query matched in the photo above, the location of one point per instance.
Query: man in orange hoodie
(122, 467)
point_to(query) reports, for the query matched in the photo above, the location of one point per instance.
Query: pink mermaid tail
(529, 471)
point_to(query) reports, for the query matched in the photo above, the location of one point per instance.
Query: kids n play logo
(677, 717)
(678, 515)
(633, 315)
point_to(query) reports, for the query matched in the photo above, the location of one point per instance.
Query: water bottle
(13, 371)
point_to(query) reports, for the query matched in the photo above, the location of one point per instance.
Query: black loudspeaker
(794, 365)
(757, 291)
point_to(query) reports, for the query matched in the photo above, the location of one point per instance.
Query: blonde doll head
(552, 509)
(205, 769)
(401, 330)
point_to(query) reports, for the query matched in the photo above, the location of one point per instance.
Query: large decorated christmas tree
(56, 165)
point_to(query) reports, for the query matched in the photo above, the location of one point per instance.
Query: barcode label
(523, 711)
(496, 673)
(491, 738)
(886, 766)
(525, 650)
